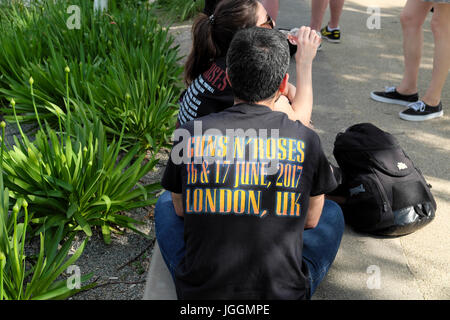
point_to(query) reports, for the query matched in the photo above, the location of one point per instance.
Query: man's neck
(268, 103)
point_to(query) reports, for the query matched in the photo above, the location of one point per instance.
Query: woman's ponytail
(212, 35)
(203, 48)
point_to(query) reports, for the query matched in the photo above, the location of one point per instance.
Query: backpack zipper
(383, 196)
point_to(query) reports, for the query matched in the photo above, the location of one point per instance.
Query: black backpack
(386, 194)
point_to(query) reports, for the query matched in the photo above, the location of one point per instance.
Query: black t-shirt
(209, 92)
(243, 227)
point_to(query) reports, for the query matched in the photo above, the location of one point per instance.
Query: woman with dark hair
(212, 34)
(270, 5)
(208, 89)
(205, 69)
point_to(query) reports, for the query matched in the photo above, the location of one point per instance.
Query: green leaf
(83, 224)
(83, 279)
(106, 232)
(62, 290)
(71, 210)
(107, 202)
(56, 220)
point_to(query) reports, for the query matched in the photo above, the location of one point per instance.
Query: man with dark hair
(269, 60)
(251, 204)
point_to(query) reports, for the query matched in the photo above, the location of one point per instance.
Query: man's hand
(283, 105)
(177, 199)
(289, 92)
(314, 211)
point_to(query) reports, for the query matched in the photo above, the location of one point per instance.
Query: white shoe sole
(331, 40)
(387, 100)
(421, 118)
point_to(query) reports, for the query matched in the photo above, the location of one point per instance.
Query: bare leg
(271, 8)
(440, 25)
(336, 7)
(412, 18)
(318, 8)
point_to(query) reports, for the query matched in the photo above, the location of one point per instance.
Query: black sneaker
(390, 95)
(332, 36)
(420, 111)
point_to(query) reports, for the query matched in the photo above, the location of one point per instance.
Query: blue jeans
(320, 244)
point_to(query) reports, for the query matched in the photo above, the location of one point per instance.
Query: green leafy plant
(74, 177)
(180, 10)
(24, 278)
(113, 53)
(151, 119)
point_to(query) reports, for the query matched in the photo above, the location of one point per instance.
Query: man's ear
(284, 84)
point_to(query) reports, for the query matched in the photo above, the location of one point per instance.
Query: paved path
(415, 266)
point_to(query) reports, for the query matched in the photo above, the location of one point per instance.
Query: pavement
(412, 267)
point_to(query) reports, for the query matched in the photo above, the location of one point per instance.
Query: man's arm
(177, 199)
(314, 211)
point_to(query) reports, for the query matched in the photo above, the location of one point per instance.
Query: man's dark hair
(257, 61)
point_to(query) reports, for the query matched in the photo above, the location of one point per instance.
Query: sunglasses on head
(268, 24)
